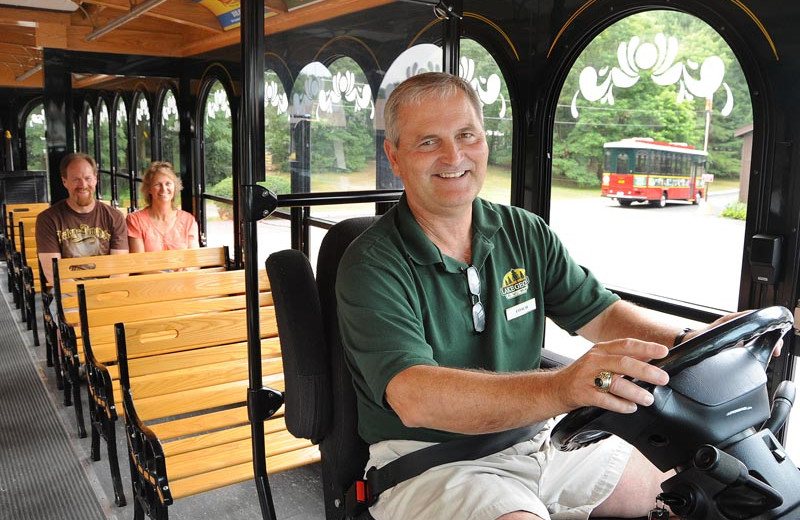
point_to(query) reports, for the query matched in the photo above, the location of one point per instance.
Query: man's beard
(84, 199)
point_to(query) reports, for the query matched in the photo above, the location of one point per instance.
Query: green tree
(347, 132)
(647, 109)
(35, 143)
(276, 127)
(218, 136)
(497, 116)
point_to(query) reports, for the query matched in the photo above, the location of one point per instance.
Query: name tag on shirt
(520, 309)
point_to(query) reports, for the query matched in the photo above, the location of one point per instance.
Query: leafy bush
(736, 210)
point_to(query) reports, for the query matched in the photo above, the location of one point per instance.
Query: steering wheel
(717, 389)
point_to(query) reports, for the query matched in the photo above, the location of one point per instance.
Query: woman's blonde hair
(147, 180)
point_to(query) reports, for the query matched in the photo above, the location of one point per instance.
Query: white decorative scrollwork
(636, 59)
(323, 93)
(169, 114)
(142, 111)
(36, 118)
(343, 86)
(218, 102)
(275, 97)
(122, 113)
(489, 88)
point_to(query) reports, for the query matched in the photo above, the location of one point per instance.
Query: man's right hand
(624, 357)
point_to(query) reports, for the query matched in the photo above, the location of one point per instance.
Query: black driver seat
(319, 398)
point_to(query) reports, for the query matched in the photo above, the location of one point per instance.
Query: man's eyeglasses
(474, 284)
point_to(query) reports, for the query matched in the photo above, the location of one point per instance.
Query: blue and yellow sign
(228, 12)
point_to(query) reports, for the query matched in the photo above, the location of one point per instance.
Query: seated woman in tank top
(160, 225)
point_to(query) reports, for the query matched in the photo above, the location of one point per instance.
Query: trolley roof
(647, 143)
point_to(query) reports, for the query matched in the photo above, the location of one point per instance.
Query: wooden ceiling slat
(8, 77)
(176, 28)
(181, 13)
(11, 49)
(91, 81)
(51, 35)
(15, 16)
(125, 41)
(275, 24)
(16, 36)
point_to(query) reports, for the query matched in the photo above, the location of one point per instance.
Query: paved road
(683, 251)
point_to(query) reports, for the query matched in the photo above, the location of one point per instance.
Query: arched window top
(217, 103)
(274, 93)
(425, 57)
(35, 142)
(142, 113)
(121, 114)
(169, 110)
(102, 111)
(311, 81)
(143, 136)
(170, 130)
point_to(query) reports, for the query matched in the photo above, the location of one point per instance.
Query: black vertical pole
(188, 168)
(452, 35)
(58, 115)
(251, 161)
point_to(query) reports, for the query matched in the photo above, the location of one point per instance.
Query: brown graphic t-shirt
(59, 229)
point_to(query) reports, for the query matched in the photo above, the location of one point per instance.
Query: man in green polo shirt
(442, 307)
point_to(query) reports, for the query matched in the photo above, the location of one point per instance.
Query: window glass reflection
(122, 179)
(170, 131)
(170, 135)
(276, 137)
(646, 162)
(481, 70)
(340, 125)
(218, 166)
(35, 140)
(143, 146)
(104, 162)
(89, 130)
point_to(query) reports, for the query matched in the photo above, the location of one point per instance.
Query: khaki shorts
(531, 476)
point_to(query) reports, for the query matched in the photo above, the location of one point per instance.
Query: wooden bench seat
(11, 217)
(69, 272)
(187, 426)
(30, 275)
(103, 302)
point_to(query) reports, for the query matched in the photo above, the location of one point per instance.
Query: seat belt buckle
(358, 498)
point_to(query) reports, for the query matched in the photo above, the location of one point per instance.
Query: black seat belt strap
(467, 448)
(363, 493)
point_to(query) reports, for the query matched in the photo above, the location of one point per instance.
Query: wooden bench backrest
(147, 338)
(13, 217)
(30, 208)
(28, 250)
(133, 263)
(37, 207)
(103, 302)
(184, 389)
(110, 203)
(26, 227)
(106, 293)
(68, 272)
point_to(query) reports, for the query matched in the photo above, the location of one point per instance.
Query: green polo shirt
(403, 303)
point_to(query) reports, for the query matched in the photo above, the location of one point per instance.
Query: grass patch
(735, 210)
(497, 186)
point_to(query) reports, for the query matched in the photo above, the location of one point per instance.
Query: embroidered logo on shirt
(515, 283)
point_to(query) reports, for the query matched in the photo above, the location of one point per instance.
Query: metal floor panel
(40, 475)
(35, 466)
